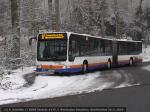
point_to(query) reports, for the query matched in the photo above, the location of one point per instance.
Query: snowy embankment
(15, 79)
(56, 86)
(146, 54)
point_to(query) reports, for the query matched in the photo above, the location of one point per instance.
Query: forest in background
(22, 19)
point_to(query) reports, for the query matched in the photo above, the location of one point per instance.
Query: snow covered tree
(89, 16)
(140, 24)
(15, 49)
(100, 11)
(54, 13)
(147, 17)
(50, 9)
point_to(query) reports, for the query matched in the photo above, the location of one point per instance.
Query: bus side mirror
(30, 40)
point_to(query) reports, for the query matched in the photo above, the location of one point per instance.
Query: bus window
(139, 47)
(123, 48)
(52, 50)
(108, 47)
(93, 46)
(84, 46)
(42, 47)
(102, 47)
(73, 48)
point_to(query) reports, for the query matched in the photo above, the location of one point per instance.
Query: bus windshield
(52, 50)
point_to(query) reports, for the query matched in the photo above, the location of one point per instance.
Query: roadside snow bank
(56, 86)
(146, 68)
(146, 54)
(15, 79)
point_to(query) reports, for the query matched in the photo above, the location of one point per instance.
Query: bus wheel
(109, 64)
(131, 61)
(84, 68)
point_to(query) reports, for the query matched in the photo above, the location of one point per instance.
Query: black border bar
(63, 109)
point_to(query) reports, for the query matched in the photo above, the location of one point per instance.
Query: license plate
(51, 71)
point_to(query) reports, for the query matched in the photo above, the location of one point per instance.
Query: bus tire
(84, 67)
(131, 62)
(109, 64)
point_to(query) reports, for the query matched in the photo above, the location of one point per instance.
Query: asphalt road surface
(134, 98)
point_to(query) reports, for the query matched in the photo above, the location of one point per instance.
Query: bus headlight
(65, 67)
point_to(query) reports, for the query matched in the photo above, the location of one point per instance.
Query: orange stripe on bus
(71, 66)
(57, 67)
(52, 66)
(75, 66)
(45, 66)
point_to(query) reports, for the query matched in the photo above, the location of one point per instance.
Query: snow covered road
(24, 86)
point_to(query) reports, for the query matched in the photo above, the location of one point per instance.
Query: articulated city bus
(66, 52)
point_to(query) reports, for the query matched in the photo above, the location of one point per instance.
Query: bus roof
(88, 35)
(110, 37)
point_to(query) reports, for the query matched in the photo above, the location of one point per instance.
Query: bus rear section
(129, 52)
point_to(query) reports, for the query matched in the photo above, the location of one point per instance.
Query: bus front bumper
(44, 71)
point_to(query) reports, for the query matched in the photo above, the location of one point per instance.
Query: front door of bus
(115, 53)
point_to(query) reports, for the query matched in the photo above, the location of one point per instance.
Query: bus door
(115, 53)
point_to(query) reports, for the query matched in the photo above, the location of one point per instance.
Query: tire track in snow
(30, 79)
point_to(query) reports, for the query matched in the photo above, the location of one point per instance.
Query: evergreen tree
(147, 17)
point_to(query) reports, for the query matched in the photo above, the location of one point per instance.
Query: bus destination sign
(52, 36)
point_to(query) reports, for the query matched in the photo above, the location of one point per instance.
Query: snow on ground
(146, 68)
(126, 85)
(56, 86)
(15, 80)
(146, 54)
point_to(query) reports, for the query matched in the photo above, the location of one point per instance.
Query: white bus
(66, 52)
